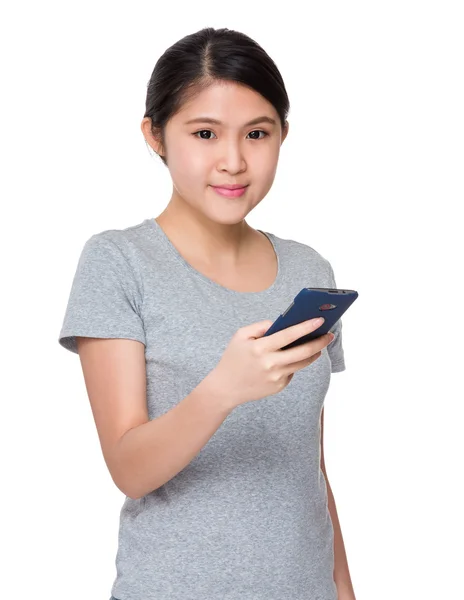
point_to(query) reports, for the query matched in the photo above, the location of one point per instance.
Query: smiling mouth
(230, 187)
(230, 193)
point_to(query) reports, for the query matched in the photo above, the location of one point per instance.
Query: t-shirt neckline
(270, 290)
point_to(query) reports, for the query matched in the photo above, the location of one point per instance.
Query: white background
(371, 176)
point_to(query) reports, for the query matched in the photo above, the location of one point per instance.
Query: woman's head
(224, 75)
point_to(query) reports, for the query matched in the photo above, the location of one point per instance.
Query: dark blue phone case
(311, 303)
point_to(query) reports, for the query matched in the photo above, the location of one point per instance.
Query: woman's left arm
(341, 572)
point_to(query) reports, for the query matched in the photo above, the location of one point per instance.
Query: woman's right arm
(140, 454)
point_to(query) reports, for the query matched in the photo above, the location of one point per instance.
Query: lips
(230, 187)
(230, 192)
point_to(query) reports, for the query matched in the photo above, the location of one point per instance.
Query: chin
(225, 219)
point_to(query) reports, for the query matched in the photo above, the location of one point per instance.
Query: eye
(259, 131)
(254, 131)
(202, 131)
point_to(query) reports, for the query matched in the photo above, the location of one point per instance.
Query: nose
(231, 158)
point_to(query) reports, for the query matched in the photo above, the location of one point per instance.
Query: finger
(255, 330)
(301, 364)
(303, 351)
(279, 339)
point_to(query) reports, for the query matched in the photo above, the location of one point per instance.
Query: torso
(257, 483)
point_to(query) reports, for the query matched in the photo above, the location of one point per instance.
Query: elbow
(120, 477)
(125, 488)
(127, 485)
(120, 472)
(133, 496)
(135, 492)
(125, 473)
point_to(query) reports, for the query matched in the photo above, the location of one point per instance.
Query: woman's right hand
(253, 367)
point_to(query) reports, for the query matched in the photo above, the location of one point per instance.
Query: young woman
(211, 431)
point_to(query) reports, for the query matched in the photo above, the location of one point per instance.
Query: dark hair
(200, 59)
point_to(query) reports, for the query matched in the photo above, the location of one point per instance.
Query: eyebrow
(263, 119)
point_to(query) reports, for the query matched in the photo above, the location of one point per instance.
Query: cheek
(187, 166)
(266, 168)
(265, 161)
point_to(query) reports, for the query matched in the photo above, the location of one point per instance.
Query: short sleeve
(105, 299)
(335, 348)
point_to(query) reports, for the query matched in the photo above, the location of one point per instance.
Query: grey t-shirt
(248, 518)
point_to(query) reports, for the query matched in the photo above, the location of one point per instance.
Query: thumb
(256, 330)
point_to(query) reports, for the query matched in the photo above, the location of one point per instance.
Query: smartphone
(311, 303)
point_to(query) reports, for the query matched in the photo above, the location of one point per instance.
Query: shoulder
(306, 254)
(122, 239)
(126, 245)
(117, 253)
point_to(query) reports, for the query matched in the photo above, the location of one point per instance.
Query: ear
(285, 131)
(152, 139)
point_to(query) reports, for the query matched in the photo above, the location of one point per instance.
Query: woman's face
(204, 154)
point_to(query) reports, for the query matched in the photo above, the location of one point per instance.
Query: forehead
(231, 103)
